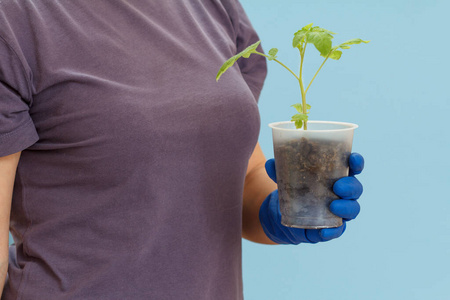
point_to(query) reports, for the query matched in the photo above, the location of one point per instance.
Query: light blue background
(396, 89)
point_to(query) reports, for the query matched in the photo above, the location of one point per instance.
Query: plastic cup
(308, 163)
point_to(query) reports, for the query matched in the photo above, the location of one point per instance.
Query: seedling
(321, 39)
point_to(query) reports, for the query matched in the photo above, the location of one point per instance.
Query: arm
(8, 166)
(256, 188)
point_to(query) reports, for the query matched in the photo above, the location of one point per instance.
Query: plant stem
(317, 72)
(302, 88)
(256, 52)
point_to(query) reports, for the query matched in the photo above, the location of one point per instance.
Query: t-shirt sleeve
(17, 131)
(254, 68)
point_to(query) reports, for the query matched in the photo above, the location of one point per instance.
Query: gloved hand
(349, 189)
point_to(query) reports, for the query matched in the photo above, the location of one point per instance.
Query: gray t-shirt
(131, 177)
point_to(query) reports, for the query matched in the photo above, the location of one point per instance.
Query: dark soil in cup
(306, 172)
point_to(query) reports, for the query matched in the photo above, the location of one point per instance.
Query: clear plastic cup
(308, 163)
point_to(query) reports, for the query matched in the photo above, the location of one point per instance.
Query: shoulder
(15, 22)
(20, 19)
(237, 15)
(233, 9)
(15, 13)
(16, 29)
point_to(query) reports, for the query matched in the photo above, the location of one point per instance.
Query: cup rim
(351, 126)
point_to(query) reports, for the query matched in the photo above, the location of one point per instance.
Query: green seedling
(321, 39)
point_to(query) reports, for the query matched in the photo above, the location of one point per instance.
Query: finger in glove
(356, 163)
(323, 235)
(348, 188)
(346, 209)
(270, 169)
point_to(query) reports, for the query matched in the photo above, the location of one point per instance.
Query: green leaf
(298, 107)
(321, 39)
(308, 107)
(273, 53)
(300, 117)
(299, 36)
(226, 65)
(250, 49)
(336, 54)
(307, 27)
(327, 31)
(346, 45)
(230, 62)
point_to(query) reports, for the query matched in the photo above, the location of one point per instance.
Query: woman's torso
(133, 190)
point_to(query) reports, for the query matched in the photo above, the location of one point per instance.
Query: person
(126, 171)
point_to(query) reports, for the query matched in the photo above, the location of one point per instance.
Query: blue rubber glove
(349, 189)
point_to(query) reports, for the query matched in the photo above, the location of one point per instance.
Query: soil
(306, 172)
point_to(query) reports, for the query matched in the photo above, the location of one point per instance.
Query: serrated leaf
(298, 107)
(308, 107)
(346, 45)
(327, 31)
(336, 54)
(300, 117)
(299, 38)
(272, 53)
(320, 39)
(250, 49)
(307, 27)
(230, 62)
(318, 29)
